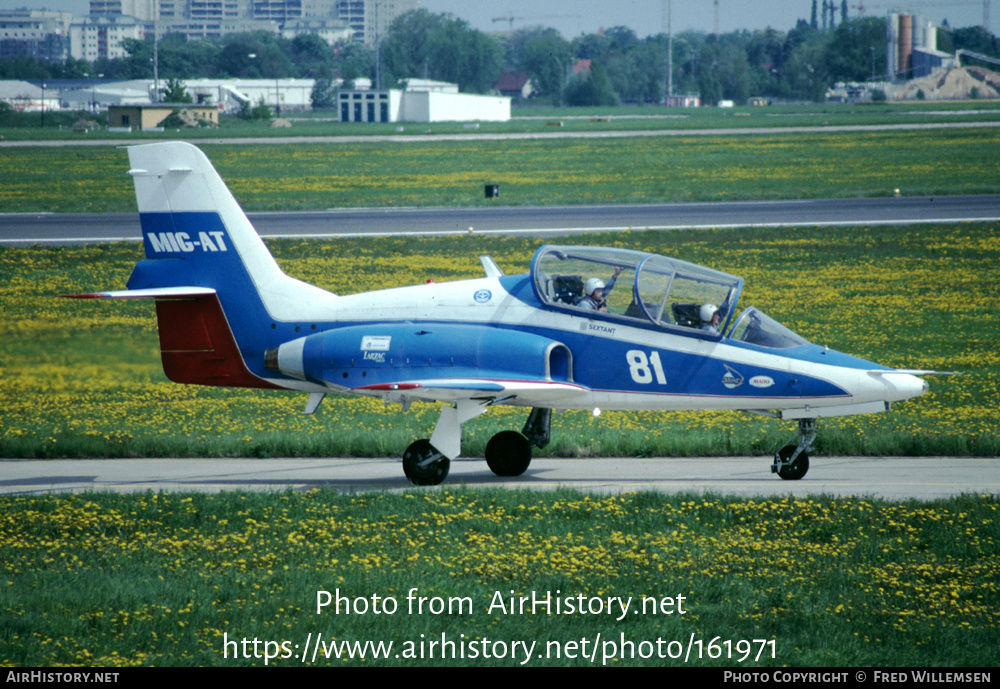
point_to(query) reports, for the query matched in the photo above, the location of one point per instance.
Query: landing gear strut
(792, 461)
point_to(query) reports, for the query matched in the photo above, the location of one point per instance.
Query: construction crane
(511, 18)
(898, 6)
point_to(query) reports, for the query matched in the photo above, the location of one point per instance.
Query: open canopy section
(634, 285)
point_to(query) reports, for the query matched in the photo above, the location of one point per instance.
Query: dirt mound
(953, 84)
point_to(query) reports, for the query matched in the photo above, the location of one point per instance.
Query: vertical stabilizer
(197, 237)
(189, 215)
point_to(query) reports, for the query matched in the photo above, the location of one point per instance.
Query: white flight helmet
(707, 311)
(590, 285)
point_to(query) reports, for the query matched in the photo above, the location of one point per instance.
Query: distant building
(92, 38)
(684, 100)
(38, 34)
(329, 29)
(332, 20)
(911, 47)
(514, 85)
(23, 96)
(421, 101)
(140, 117)
(369, 19)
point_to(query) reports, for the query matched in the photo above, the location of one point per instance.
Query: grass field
(169, 579)
(532, 172)
(528, 120)
(84, 379)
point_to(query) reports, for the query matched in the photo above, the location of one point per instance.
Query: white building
(23, 96)
(91, 38)
(433, 102)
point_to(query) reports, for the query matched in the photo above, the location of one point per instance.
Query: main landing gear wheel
(797, 469)
(424, 465)
(508, 453)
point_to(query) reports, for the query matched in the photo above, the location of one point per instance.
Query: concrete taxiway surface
(889, 478)
(22, 229)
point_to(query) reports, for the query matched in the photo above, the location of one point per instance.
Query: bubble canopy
(651, 290)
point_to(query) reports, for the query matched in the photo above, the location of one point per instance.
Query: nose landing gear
(792, 461)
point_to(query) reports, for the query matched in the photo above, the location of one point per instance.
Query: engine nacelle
(360, 355)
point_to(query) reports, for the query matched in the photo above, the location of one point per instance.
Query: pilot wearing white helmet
(595, 291)
(709, 314)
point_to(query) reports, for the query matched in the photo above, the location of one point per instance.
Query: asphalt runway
(899, 478)
(20, 229)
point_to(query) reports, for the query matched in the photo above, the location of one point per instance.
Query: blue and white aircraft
(586, 328)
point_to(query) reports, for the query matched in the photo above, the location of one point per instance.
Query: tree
(175, 92)
(354, 60)
(181, 58)
(591, 89)
(546, 58)
(255, 55)
(848, 55)
(324, 94)
(805, 72)
(977, 39)
(723, 70)
(439, 46)
(261, 111)
(309, 54)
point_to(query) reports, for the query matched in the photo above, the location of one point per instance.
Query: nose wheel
(792, 461)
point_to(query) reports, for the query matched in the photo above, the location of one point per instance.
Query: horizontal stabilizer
(912, 372)
(152, 293)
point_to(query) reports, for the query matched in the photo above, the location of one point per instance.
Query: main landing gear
(508, 453)
(424, 465)
(792, 461)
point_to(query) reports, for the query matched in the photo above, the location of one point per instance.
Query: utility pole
(670, 50)
(156, 56)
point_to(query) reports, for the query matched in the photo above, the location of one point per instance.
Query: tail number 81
(643, 368)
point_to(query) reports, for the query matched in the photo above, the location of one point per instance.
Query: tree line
(799, 64)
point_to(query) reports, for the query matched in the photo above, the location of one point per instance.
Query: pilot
(596, 291)
(709, 314)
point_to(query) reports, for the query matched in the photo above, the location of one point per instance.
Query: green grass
(533, 172)
(58, 126)
(83, 378)
(165, 579)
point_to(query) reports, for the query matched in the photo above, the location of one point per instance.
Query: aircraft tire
(419, 472)
(796, 469)
(508, 453)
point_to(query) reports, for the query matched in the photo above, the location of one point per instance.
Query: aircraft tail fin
(221, 297)
(188, 214)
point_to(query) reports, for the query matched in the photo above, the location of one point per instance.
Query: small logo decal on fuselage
(375, 347)
(376, 343)
(482, 296)
(762, 381)
(597, 328)
(732, 378)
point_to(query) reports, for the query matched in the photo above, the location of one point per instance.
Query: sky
(645, 17)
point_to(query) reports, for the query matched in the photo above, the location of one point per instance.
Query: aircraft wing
(527, 393)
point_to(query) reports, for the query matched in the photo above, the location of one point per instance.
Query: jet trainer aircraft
(586, 328)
